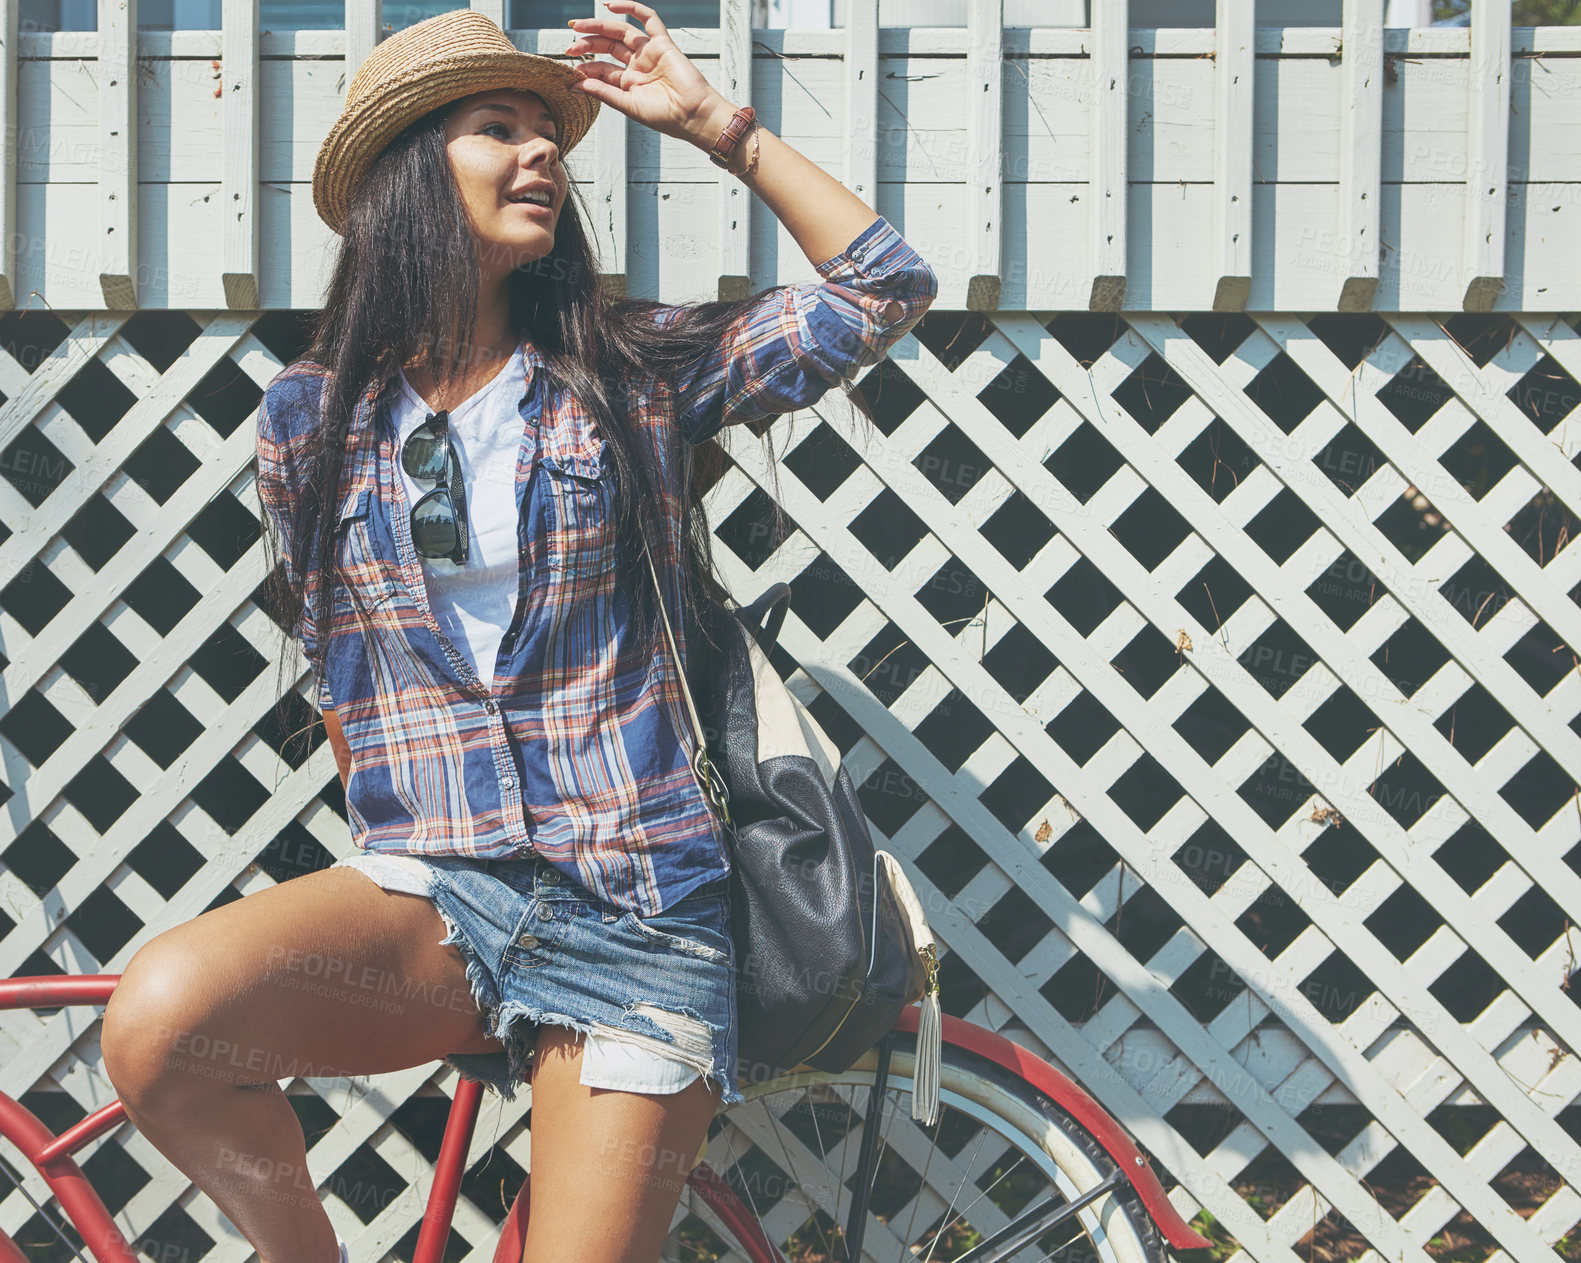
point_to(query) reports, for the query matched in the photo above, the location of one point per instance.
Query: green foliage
(1546, 13)
(1524, 13)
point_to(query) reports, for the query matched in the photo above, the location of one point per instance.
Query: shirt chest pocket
(581, 514)
(367, 580)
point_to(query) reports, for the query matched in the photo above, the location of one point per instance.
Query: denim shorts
(656, 994)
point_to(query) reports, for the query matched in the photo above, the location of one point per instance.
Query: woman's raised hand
(654, 82)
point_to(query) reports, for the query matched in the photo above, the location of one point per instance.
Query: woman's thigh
(324, 974)
(608, 1166)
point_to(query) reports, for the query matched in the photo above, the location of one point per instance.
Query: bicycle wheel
(979, 1186)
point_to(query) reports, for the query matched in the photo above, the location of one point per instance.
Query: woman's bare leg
(608, 1167)
(325, 974)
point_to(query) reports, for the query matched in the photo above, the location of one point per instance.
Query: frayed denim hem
(501, 1071)
(681, 1034)
(506, 1070)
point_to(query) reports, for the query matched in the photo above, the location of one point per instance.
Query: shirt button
(527, 940)
(508, 782)
(490, 706)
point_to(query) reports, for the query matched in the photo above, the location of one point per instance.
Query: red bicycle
(1021, 1163)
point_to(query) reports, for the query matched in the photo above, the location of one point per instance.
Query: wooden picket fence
(1197, 616)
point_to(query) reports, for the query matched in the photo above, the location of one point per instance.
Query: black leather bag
(831, 941)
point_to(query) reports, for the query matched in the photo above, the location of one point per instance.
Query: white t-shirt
(473, 604)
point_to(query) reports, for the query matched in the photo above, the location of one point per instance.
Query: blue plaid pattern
(574, 752)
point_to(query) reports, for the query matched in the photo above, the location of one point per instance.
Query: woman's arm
(816, 209)
(337, 743)
(656, 84)
(785, 348)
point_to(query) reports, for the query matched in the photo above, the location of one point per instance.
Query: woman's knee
(153, 1035)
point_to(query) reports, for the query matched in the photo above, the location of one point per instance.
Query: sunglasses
(438, 529)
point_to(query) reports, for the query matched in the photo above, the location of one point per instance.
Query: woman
(479, 444)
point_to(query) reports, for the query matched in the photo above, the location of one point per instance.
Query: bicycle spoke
(982, 1193)
(871, 1222)
(853, 1129)
(834, 1195)
(944, 1170)
(993, 1180)
(856, 1121)
(732, 1126)
(1034, 1222)
(823, 1152)
(883, 1139)
(812, 1198)
(940, 1233)
(42, 1213)
(916, 1202)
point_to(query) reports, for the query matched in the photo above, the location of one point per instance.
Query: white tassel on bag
(930, 1036)
(930, 1049)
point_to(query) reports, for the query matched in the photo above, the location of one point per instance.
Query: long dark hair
(405, 284)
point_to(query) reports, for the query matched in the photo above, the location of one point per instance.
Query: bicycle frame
(52, 1155)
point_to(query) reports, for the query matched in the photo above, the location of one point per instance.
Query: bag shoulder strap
(713, 784)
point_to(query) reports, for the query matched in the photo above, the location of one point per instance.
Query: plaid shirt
(579, 750)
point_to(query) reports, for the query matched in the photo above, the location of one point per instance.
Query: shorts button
(546, 914)
(527, 940)
(551, 876)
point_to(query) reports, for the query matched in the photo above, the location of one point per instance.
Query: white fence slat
(985, 60)
(1517, 837)
(1361, 144)
(239, 185)
(364, 26)
(611, 158)
(9, 147)
(1534, 450)
(22, 549)
(735, 203)
(117, 181)
(1107, 189)
(863, 137)
(494, 10)
(1488, 1080)
(1232, 171)
(1050, 141)
(1487, 147)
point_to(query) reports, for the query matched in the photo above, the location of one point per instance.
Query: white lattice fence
(1213, 678)
(1287, 604)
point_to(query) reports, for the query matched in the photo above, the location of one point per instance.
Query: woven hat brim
(362, 132)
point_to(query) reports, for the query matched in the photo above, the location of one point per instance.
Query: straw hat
(438, 60)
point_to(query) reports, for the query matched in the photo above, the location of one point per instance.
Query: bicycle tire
(1115, 1228)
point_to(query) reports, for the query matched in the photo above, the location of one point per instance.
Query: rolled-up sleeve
(787, 349)
(276, 493)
